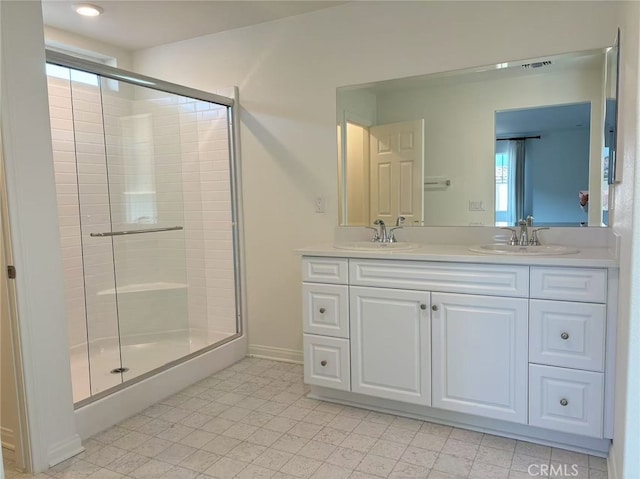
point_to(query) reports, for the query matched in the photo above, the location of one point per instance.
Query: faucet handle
(514, 236)
(376, 237)
(400, 220)
(534, 241)
(392, 237)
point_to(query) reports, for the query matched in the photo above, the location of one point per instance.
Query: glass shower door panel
(97, 255)
(144, 152)
(64, 162)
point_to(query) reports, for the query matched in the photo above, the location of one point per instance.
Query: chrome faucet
(383, 236)
(528, 236)
(524, 233)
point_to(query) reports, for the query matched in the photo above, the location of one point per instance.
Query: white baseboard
(278, 354)
(612, 468)
(8, 438)
(63, 450)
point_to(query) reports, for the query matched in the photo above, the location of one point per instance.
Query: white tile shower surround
(140, 358)
(252, 420)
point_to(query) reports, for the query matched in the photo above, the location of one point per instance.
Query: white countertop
(586, 257)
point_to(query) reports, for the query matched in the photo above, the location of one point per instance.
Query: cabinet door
(480, 355)
(390, 344)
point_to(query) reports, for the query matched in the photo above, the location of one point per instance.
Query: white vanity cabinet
(500, 346)
(479, 353)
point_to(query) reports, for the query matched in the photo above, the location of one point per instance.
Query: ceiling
(138, 24)
(534, 120)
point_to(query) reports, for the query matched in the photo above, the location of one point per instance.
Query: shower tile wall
(180, 137)
(213, 180)
(67, 195)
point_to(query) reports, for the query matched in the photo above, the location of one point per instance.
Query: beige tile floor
(252, 420)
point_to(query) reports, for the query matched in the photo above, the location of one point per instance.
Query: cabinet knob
(322, 310)
(434, 307)
(323, 363)
(564, 336)
(423, 307)
(563, 402)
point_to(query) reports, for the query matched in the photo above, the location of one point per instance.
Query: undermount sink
(543, 249)
(372, 246)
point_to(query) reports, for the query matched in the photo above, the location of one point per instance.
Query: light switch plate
(476, 205)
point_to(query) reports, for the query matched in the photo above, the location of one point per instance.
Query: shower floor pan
(139, 358)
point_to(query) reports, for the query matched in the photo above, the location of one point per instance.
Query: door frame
(22, 443)
(343, 187)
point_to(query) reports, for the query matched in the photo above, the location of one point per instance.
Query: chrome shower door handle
(135, 232)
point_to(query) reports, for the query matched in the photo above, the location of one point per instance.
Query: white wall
(110, 54)
(460, 130)
(625, 219)
(34, 236)
(287, 72)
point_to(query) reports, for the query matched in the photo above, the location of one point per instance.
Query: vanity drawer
(326, 362)
(325, 270)
(566, 334)
(489, 279)
(566, 400)
(326, 309)
(569, 284)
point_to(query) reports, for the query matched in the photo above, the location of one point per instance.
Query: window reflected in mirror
(542, 164)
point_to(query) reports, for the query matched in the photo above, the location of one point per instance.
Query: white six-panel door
(480, 355)
(390, 344)
(397, 172)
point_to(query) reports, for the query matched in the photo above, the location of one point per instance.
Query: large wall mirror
(482, 147)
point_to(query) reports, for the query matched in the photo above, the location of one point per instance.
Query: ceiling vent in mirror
(537, 64)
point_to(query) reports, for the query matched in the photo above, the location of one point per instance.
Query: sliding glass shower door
(150, 266)
(147, 217)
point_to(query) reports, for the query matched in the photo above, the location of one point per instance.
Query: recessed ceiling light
(88, 10)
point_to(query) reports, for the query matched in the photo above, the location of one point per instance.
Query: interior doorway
(13, 430)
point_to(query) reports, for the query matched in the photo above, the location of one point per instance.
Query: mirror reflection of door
(397, 176)
(356, 171)
(542, 163)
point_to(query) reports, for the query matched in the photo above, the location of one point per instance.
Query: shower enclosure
(146, 201)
